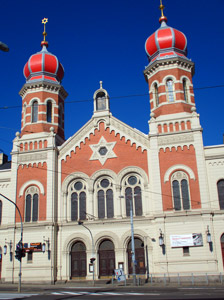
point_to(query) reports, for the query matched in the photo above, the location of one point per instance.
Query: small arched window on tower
(156, 94)
(49, 112)
(101, 101)
(31, 204)
(34, 111)
(170, 90)
(78, 200)
(24, 114)
(105, 198)
(60, 114)
(185, 88)
(220, 186)
(180, 190)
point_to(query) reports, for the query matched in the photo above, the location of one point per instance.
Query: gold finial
(161, 7)
(101, 84)
(44, 21)
(162, 18)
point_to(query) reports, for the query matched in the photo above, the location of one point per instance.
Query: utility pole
(92, 260)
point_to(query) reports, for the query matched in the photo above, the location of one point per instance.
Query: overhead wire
(118, 97)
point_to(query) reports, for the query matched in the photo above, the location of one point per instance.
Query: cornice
(178, 61)
(44, 86)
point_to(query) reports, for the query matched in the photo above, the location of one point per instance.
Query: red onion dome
(43, 66)
(165, 42)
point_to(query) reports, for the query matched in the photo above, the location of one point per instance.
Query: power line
(116, 97)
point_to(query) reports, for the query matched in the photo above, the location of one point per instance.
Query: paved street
(145, 292)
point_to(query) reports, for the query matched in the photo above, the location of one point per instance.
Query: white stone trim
(133, 169)
(176, 167)
(31, 182)
(73, 176)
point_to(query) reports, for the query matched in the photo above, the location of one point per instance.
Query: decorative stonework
(102, 156)
(175, 139)
(32, 190)
(216, 163)
(32, 157)
(178, 173)
(4, 185)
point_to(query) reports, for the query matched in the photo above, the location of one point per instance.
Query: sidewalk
(99, 284)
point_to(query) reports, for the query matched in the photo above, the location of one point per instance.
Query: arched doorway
(78, 260)
(0, 262)
(222, 248)
(139, 257)
(106, 258)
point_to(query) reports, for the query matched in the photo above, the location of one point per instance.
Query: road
(129, 293)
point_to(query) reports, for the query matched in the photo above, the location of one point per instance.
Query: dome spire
(44, 42)
(162, 18)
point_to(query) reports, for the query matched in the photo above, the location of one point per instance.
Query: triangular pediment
(113, 124)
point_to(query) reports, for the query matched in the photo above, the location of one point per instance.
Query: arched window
(31, 204)
(170, 90)
(220, 186)
(49, 111)
(180, 189)
(156, 95)
(34, 111)
(78, 200)
(60, 113)
(185, 88)
(24, 114)
(105, 198)
(0, 212)
(133, 192)
(100, 101)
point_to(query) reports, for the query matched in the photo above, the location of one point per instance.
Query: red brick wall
(174, 157)
(127, 155)
(27, 173)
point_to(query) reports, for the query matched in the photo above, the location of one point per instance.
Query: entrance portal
(139, 257)
(222, 248)
(0, 262)
(78, 260)
(106, 258)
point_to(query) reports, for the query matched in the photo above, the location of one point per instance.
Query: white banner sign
(186, 240)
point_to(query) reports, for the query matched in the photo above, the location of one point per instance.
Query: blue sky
(104, 40)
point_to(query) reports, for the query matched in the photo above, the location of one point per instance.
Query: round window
(132, 180)
(103, 151)
(78, 185)
(105, 183)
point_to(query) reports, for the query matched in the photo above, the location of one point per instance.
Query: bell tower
(169, 72)
(43, 95)
(175, 132)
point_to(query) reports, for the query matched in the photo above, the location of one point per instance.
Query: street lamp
(132, 239)
(4, 47)
(20, 242)
(92, 258)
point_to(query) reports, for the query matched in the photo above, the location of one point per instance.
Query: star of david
(102, 151)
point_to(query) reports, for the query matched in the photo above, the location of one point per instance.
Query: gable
(104, 145)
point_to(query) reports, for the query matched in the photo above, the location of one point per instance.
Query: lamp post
(20, 242)
(4, 47)
(92, 258)
(132, 243)
(132, 239)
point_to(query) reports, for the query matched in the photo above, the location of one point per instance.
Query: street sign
(120, 276)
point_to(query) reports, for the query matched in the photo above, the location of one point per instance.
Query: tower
(35, 151)
(43, 95)
(175, 131)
